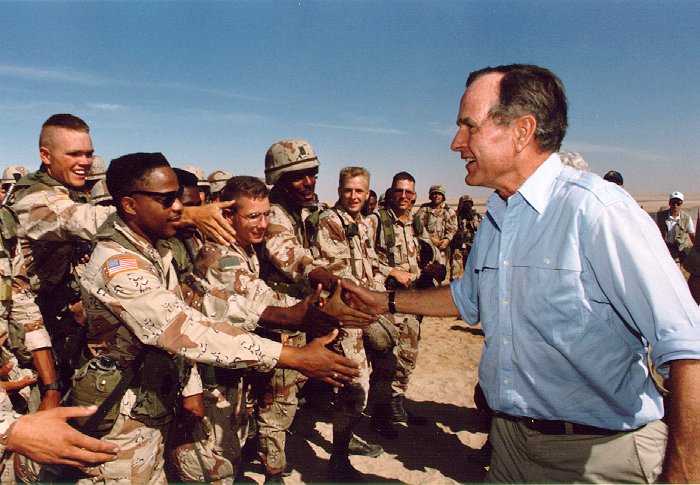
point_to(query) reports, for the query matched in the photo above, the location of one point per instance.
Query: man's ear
(45, 156)
(128, 205)
(525, 129)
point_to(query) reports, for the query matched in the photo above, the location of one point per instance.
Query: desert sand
(441, 389)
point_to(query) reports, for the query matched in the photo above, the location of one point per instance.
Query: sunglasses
(167, 199)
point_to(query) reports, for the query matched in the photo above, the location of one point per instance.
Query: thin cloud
(364, 129)
(626, 152)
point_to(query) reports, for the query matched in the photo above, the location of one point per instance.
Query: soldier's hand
(51, 399)
(403, 277)
(14, 386)
(367, 301)
(6, 368)
(348, 316)
(316, 361)
(211, 222)
(317, 321)
(47, 438)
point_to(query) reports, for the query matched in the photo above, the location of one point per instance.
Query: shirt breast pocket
(547, 297)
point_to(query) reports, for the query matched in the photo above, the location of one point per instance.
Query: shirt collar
(537, 190)
(539, 187)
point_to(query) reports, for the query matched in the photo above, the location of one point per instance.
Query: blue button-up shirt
(572, 283)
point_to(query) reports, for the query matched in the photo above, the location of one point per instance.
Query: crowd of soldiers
(191, 310)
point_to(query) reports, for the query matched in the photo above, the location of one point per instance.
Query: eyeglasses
(255, 218)
(167, 199)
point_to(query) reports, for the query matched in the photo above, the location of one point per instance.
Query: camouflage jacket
(132, 298)
(466, 230)
(232, 271)
(346, 245)
(287, 242)
(440, 222)
(7, 419)
(52, 221)
(405, 250)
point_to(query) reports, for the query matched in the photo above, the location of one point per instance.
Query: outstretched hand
(316, 361)
(349, 317)
(211, 222)
(362, 299)
(47, 438)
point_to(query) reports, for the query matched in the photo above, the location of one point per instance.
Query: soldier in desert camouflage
(440, 220)
(132, 299)
(468, 221)
(344, 241)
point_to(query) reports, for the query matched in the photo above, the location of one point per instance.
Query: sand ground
(441, 389)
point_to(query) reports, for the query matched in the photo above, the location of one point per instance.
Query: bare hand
(403, 277)
(316, 361)
(317, 321)
(194, 405)
(360, 298)
(51, 399)
(349, 317)
(211, 222)
(14, 386)
(443, 245)
(6, 368)
(77, 311)
(47, 438)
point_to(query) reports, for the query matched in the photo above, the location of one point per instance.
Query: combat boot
(400, 415)
(340, 470)
(359, 447)
(381, 421)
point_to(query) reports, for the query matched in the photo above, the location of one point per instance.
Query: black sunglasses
(165, 198)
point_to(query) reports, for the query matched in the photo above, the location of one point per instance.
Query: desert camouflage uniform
(132, 298)
(441, 223)
(462, 243)
(346, 245)
(55, 225)
(7, 419)
(405, 255)
(286, 262)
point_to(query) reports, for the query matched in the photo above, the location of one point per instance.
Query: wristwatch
(56, 385)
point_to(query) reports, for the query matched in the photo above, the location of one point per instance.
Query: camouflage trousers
(140, 457)
(277, 398)
(214, 453)
(406, 352)
(457, 262)
(351, 399)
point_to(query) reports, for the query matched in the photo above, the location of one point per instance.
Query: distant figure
(468, 221)
(371, 204)
(614, 177)
(573, 159)
(676, 226)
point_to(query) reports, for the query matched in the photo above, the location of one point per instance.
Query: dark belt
(546, 426)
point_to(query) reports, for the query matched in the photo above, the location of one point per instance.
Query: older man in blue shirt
(572, 285)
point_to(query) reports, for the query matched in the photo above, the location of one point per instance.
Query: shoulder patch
(52, 197)
(228, 262)
(119, 264)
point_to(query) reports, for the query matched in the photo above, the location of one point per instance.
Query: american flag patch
(52, 197)
(122, 263)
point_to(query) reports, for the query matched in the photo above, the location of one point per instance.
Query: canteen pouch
(381, 335)
(92, 383)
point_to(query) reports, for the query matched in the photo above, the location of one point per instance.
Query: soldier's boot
(381, 421)
(340, 470)
(400, 415)
(359, 447)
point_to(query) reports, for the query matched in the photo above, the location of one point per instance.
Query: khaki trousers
(523, 455)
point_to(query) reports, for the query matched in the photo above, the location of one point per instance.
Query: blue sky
(373, 83)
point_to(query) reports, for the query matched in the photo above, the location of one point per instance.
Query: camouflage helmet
(201, 176)
(99, 194)
(289, 155)
(218, 179)
(8, 176)
(465, 198)
(98, 170)
(439, 189)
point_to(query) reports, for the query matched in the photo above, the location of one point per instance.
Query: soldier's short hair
(244, 186)
(62, 120)
(534, 90)
(127, 172)
(402, 176)
(186, 179)
(352, 172)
